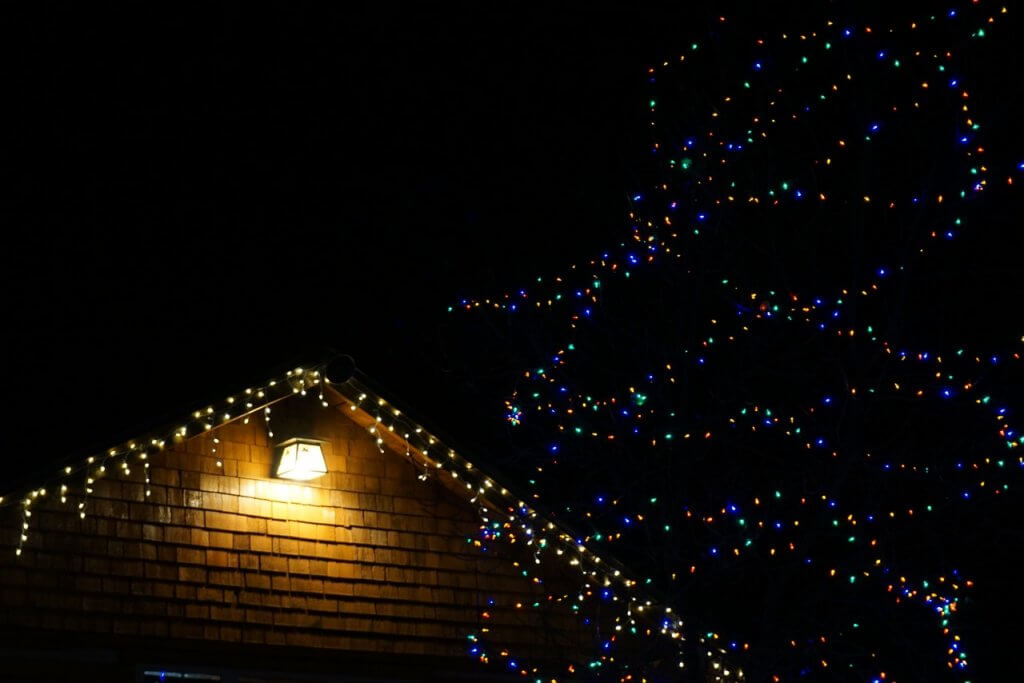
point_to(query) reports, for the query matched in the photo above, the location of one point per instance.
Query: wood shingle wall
(367, 558)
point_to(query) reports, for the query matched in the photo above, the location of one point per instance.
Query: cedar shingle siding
(367, 559)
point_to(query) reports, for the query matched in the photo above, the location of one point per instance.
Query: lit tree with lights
(730, 401)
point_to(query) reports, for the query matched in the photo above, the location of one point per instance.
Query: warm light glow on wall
(301, 460)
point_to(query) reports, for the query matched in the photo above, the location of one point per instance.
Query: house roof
(336, 381)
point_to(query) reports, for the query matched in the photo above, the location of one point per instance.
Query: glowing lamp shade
(301, 460)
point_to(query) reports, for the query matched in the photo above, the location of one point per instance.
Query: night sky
(198, 199)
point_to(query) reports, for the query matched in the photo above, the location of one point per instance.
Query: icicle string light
(641, 615)
(93, 467)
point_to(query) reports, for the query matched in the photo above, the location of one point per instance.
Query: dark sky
(201, 196)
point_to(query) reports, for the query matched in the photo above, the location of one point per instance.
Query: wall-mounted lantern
(300, 459)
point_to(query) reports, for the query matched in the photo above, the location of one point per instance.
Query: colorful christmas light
(709, 157)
